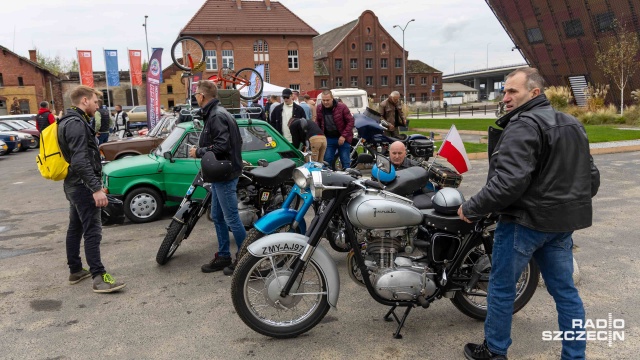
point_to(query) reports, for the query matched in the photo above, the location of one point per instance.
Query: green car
(146, 183)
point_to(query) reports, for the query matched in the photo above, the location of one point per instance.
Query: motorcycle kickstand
(397, 335)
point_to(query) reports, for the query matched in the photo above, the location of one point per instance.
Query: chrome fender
(277, 218)
(288, 242)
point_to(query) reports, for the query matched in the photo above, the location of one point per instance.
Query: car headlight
(28, 136)
(302, 177)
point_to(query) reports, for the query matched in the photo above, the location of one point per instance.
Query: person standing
(270, 107)
(44, 117)
(336, 121)
(221, 135)
(391, 110)
(295, 96)
(304, 104)
(541, 180)
(305, 130)
(121, 119)
(15, 107)
(103, 120)
(83, 189)
(282, 113)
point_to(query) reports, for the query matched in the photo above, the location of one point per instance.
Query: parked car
(24, 140)
(137, 117)
(11, 139)
(118, 149)
(3, 148)
(27, 142)
(24, 117)
(164, 175)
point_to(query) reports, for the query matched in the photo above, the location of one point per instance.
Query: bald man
(398, 156)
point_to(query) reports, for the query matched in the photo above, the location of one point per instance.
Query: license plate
(265, 196)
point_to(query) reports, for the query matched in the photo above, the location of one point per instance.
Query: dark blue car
(10, 139)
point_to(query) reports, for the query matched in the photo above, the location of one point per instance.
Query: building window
(260, 46)
(368, 47)
(211, 59)
(171, 103)
(384, 46)
(435, 79)
(339, 81)
(135, 97)
(369, 80)
(227, 58)
(412, 81)
(368, 63)
(1, 80)
(169, 89)
(383, 63)
(354, 81)
(534, 35)
(398, 79)
(295, 87)
(398, 62)
(604, 22)
(338, 64)
(105, 98)
(354, 63)
(573, 28)
(384, 81)
(20, 81)
(353, 46)
(323, 83)
(424, 97)
(423, 81)
(267, 73)
(293, 60)
(412, 97)
(24, 106)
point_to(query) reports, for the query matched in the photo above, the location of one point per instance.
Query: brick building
(27, 81)
(362, 54)
(244, 34)
(119, 95)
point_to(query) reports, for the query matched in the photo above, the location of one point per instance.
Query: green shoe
(78, 276)
(105, 283)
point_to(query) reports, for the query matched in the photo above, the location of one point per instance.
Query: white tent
(267, 90)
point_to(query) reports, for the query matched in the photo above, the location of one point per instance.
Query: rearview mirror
(197, 124)
(167, 155)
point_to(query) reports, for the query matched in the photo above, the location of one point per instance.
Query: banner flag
(453, 150)
(135, 67)
(153, 89)
(152, 50)
(86, 67)
(111, 63)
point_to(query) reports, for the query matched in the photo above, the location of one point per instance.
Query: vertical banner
(111, 64)
(153, 88)
(86, 67)
(135, 67)
(152, 51)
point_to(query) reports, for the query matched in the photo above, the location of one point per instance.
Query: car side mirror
(167, 155)
(197, 124)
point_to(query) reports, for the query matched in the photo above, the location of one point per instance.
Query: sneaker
(78, 276)
(105, 283)
(216, 264)
(481, 352)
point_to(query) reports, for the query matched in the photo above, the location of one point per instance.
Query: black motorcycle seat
(273, 174)
(423, 201)
(408, 181)
(449, 223)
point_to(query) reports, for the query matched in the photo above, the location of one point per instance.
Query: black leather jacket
(79, 146)
(221, 135)
(541, 174)
(275, 119)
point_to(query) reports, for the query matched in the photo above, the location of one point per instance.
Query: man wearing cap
(284, 112)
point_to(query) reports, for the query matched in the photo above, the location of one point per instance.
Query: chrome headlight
(302, 177)
(316, 185)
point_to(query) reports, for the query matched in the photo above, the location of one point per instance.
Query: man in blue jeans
(541, 180)
(221, 135)
(335, 119)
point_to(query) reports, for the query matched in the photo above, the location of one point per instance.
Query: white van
(355, 99)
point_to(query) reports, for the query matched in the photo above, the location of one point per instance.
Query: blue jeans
(103, 138)
(344, 151)
(514, 245)
(224, 210)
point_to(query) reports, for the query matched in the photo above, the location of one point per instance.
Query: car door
(182, 169)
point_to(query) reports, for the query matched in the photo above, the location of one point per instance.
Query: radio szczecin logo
(608, 330)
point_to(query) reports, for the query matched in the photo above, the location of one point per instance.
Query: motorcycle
(404, 256)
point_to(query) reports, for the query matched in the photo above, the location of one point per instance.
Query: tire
(143, 205)
(173, 239)
(525, 289)
(37, 144)
(258, 85)
(256, 308)
(192, 48)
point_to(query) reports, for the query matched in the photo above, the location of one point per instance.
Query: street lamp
(404, 60)
(145, 36)
(454, 62)
(488, 55)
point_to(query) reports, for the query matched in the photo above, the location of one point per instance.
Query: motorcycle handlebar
(373, 184)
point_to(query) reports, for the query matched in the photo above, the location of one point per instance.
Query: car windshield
(163, 127)
(170, 141)
(255, 138)
(12, 126)
(4, 127)
(354, 101)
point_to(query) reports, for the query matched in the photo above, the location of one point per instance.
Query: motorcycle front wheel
(173, 239)
(256, 296)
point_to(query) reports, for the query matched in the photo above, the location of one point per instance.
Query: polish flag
(453, 150)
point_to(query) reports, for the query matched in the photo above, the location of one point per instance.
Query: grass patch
(469, 147)
(461, 124)
(604, 133)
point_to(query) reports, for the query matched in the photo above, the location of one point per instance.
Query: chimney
(239, 3)
(32, 55)
(268, 3)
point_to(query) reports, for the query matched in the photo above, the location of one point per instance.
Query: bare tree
(617, 59)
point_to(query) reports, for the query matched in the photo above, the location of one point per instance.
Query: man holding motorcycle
(541, 180)
(221, 135)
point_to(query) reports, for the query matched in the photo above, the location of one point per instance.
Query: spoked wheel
(187, 53)
(256, 296)
(474, 302)
(173, 239)
(254, 235)
(249, 82)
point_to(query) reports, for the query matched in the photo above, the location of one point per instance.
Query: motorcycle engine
(246, 210)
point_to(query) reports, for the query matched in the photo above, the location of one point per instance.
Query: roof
(5, 50)
(418, 67)
(223, 17)
(326, 42)
(457, 87)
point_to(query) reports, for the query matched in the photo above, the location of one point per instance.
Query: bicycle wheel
(187, 53)
(249, 81)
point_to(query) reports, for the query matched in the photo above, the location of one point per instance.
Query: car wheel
(37, 144)
(143, 205)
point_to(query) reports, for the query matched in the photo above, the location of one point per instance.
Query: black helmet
(447, 201)
(214, 170)
(113, 213)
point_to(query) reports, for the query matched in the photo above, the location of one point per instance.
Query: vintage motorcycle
(403, 255)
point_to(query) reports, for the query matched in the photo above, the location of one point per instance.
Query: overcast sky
(443, 29)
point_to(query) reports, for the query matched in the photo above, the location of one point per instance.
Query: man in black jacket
(102, 118)
(221, 135)
(282, 113)
(306, 130)
(541, 180)
(83, 188)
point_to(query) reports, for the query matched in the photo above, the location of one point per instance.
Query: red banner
(86, 67)
(135, 67)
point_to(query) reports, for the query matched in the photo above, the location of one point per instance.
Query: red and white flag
(453, 150)
(86, 68)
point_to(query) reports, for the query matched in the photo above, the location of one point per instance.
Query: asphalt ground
(178, 312)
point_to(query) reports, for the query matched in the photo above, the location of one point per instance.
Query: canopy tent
(267, 90)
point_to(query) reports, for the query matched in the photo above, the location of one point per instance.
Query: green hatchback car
(147, 183)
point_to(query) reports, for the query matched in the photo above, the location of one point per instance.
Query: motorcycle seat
(273, 174)
(408, 181)
(423, 201)
(449, 223)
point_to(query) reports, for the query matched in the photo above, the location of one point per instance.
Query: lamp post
(454, 62)
(404, 60)
(488, 55)
(145, 36)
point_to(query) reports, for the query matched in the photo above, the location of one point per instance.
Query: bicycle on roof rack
(188, 54)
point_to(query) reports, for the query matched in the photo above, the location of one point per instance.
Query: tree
(618, 58)
(56, 64)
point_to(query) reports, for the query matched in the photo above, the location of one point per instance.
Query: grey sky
(442, 27)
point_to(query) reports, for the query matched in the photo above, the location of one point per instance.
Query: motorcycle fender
(277, 218)
(184, 212)
(288, 242)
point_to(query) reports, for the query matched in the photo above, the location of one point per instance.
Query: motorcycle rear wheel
(173, 239)
(256, 296)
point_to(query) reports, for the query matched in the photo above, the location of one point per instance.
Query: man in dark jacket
(541, 180)
(103, 119)
(282, 113)
(83, 188)
(303, 131)
(335, 119)
(221, 135)
(44, 117)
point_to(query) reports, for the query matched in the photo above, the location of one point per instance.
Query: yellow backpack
(50, 161)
